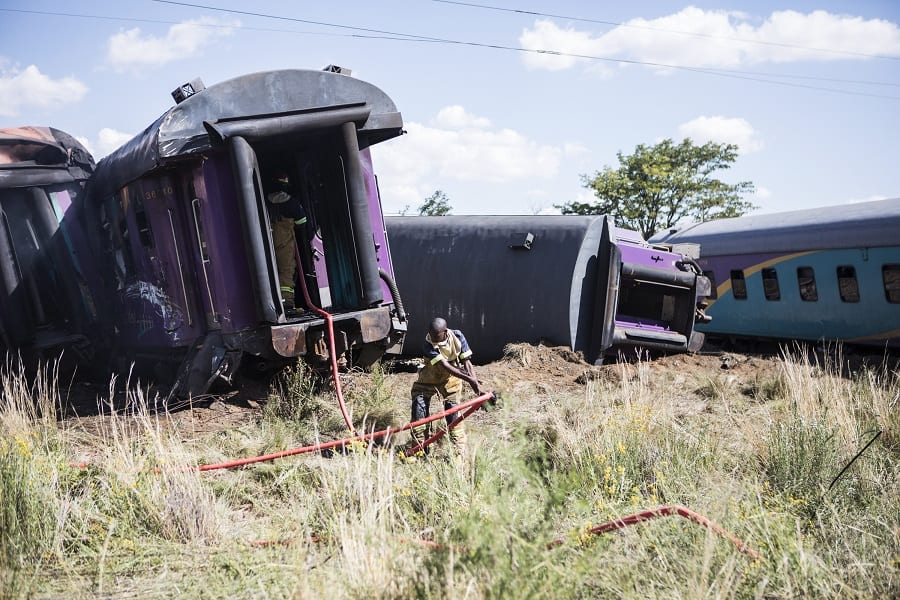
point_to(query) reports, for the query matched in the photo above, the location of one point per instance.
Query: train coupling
(700, 315)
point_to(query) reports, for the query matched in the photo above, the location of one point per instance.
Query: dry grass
(755, 449)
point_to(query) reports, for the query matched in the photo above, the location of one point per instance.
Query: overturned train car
(47, 281)
(185, 236)
(564, 280)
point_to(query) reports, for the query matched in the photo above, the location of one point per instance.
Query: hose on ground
(332, 353)
(666, 511)
(469, 407)
(620, 523)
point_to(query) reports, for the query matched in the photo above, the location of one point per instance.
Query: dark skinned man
(447, 366)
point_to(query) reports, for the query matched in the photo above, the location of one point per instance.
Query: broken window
(770, 284)
(145, 232)
(806, 279)
(738, 285)
(847, 283)
(115, 228)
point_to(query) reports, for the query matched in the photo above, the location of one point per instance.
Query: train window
(847, 283)
(738, 285)
(713, 292)
(890, 274)
(770, 284)
(145, 233)
(806, 279)
(113, 222)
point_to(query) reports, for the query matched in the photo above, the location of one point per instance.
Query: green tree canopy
(436, 205)
(658, 186)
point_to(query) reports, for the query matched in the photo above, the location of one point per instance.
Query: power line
(746, 75)
(661, 29)
(404, 37)
(296, 20)
(162, 22)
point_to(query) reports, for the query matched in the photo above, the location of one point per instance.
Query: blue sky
(508, 130)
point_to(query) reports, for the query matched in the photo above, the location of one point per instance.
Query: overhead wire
(663, 29)
(400, 36)
(759, 77)
(165, 22)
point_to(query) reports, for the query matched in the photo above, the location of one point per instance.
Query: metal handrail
(187, 305)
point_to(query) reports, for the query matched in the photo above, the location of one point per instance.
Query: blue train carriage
(571, 281)
(828, 273)
(47, 306)
(186, 232)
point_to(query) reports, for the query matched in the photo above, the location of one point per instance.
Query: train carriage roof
(280, 97)
(865, 224)
(32, 156)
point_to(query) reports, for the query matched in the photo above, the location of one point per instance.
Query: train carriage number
(165, 191)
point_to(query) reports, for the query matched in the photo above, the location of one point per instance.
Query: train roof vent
(186, 90)
(337, 69)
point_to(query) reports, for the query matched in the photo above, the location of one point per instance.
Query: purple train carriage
(46, 278)
(185, 233)
(564, 280)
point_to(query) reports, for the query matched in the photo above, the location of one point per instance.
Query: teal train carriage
(826, 274)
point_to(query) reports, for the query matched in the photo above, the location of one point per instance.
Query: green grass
(755, 456)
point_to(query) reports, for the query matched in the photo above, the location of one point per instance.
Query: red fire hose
(470, 407)
(621, 523)
(665, 511)
(332, 353)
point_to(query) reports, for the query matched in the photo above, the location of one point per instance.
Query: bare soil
(526, 369)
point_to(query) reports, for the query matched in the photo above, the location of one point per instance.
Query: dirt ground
(525, 369)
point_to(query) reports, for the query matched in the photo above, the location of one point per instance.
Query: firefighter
(285, 212)
(447, 366)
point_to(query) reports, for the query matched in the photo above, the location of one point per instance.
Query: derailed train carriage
(575, 281)
(184, 235)
(47, 279)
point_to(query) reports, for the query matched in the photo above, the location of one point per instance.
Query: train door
(326, 167)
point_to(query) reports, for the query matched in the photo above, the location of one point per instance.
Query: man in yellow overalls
(285, 211)
(447, 366)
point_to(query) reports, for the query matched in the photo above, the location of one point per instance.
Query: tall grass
(757, 457)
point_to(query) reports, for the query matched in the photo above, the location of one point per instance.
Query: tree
(436, 205)
(658, 186)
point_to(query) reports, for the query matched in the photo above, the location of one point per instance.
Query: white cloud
(722, 130)
(106, 141)
(762, 192)
(574, 149)
(456, 117)
(547, 36)
(87, 144)
(31, 88)
(719, 38)
(466, 148)
(109, 140)
(132, 51)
